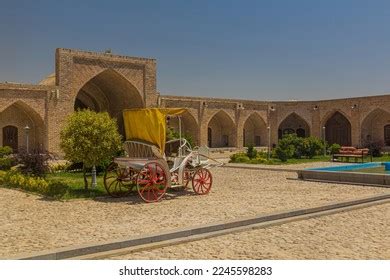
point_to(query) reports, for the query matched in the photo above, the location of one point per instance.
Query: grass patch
(383, 158)
(75, 183)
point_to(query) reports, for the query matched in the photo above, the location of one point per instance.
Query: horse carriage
(152, 165)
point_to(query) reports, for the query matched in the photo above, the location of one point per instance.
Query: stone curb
(90, 249)
(254, 167)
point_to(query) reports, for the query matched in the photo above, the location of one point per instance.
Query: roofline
(104, 54)
(221, 99)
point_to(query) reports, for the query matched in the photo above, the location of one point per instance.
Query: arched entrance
(376, 127)
(293, 123)
(13, 121)
(255, 131)
(189, 126)
(338, 130)
(109, 92)
(221, 130)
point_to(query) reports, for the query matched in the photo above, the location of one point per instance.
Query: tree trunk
(85, 177)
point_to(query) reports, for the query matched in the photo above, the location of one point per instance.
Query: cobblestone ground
(29, 223)
(358, 234)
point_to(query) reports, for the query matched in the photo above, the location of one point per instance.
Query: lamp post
(27, 131)
(323, 139)
(270, 109)
(269, 142)
(93, 183)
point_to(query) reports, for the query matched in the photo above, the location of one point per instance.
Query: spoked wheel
(118, 181)
(152, 182)
(202, 181)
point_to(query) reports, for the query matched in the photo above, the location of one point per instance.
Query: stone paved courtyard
(357, 234)
(31, 223)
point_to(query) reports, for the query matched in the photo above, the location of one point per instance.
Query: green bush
(14, 179)
(6, 163)
(312, 146)
(284, 152)
(334, 149)
(239, 158)
(2, 174)
(292, 146)
(5, 151)
(251, 152)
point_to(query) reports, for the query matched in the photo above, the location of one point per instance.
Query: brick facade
(108, 82)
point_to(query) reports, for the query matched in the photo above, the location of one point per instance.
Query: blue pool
(372, 173)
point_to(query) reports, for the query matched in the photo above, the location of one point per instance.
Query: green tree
(90, 138)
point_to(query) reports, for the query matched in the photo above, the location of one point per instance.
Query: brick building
(107, 82)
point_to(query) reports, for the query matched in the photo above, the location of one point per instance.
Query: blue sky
(263, 50)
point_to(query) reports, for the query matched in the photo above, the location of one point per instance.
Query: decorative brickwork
(108, 82)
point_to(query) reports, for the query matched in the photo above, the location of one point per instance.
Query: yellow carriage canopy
(148, 124)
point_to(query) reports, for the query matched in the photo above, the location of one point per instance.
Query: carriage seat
(141, 149)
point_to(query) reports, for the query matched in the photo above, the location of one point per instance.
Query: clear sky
(263, 50)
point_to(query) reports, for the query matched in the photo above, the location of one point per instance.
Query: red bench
(351, 152)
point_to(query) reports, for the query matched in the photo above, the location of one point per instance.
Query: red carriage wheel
(202, 181)
(152, 182)
(118, 180)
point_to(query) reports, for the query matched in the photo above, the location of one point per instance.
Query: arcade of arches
(112, 83)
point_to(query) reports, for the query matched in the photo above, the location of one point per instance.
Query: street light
(269, 142)
(27, 131)
(323, 139)
(270, 109)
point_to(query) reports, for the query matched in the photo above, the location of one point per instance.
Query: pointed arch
(221, 130)
(108, 91)
(338, 129)
(189, 126)
(21, 115)
(294, 123)
(255, 131)
(375, 127)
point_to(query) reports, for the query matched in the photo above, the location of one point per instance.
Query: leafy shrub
(284, 152)
(5, 151)
(312, 146)
(239, 157)
(334, 149)
(33, 163)
(2, 174)
(6, 163)
(288, 147)
(14, 179)
(292, 146)
(251, 152)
